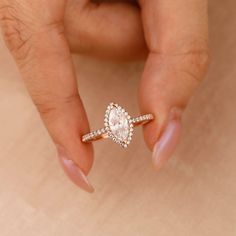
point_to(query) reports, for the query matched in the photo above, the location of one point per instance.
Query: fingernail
(73, 171)
(168, 141)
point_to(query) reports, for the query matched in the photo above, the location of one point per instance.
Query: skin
(172, 35)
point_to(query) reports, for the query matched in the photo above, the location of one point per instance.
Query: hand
(41, 34)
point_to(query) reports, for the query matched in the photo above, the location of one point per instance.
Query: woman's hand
(40, 35)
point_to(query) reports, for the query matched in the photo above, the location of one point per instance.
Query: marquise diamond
(119, 124)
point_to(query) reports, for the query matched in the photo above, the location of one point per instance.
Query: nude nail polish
(73, 171)
(169, 139)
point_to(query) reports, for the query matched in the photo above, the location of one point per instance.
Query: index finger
(35, 36)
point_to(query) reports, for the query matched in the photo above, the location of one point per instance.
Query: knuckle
(194, 59)
(198, 59)
(51, 106)
(15, 32)
(190, 56)
(195, 63)
(24, 30)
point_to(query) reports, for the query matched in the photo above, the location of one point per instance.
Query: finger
(36, 39)
(111, 30)
(177, 37)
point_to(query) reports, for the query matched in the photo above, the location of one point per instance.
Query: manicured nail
(73, 171)
(168, 141)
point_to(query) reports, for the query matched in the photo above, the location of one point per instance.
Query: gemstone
(119, 124)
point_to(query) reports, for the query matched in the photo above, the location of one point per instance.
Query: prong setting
(118, 126)
(124, 142)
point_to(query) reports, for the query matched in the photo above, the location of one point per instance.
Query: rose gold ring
(118, 126)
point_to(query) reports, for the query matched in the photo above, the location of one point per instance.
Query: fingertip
(73, 171)
(166, 144)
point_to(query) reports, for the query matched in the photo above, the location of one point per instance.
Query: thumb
(174, 68)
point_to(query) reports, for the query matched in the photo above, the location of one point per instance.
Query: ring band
(118, 125)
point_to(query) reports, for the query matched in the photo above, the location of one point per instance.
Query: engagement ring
(118, 126)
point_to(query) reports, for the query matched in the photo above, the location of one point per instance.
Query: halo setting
(118, 126)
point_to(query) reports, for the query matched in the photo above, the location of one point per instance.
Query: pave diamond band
(118, 125)
(142, 119)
